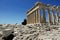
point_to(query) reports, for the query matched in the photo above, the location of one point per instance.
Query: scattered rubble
(31, 32)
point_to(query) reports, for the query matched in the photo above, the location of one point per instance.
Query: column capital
(54, 7)
(58, 8)
(48, 6)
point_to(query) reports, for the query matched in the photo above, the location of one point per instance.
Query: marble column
(39, 12)
(44, 16)
(53, 16)
(27, 20)
(28, 17)
(49, 16)
(57, 15)
(36, 16)
(39, 15)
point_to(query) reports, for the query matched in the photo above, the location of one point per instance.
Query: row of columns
(51, 18)
(35, 16)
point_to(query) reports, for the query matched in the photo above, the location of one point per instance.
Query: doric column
(53, 16)
(27, 20)
(32, 18)
(36, 16)
(49, 15)
(39, 15)
(57, 15)
(44, 16)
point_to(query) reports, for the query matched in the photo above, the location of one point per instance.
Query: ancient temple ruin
(41, 13)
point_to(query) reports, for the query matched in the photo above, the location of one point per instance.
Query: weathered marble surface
(37, 33)
(31, 32)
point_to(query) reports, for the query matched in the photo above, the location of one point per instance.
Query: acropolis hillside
(43, 23)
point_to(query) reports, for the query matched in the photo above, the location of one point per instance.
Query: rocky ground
(36, 32)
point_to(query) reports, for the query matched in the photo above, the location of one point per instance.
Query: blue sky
(14, 11)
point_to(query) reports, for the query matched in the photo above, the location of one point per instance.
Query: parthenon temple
(42, 13)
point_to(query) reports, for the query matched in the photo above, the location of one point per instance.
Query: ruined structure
(38, 14)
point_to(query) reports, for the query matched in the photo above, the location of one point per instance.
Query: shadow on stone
(10, 37)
